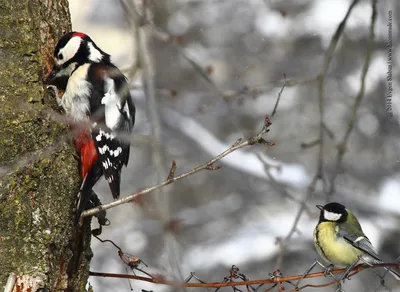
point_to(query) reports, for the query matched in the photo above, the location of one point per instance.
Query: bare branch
(271, 280)
(257, 139)
(279, 96)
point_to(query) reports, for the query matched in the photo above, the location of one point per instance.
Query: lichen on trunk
(38, 171)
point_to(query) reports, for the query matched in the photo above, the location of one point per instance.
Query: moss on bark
(39, 176)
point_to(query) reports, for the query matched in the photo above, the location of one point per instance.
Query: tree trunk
(38, 172)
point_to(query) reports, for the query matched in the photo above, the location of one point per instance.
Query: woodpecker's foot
(101, 216)
(57, 96)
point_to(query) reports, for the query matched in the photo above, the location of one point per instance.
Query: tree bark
(38, 172)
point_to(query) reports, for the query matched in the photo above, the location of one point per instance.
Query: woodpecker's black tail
(85, 191)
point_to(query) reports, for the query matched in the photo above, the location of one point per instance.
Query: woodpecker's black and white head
(73, 50)
(333, 212)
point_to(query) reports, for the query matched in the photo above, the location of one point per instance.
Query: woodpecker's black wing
(113, 114)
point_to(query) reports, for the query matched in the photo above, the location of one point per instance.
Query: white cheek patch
(330, 216)
(69, 51)
(94, 54)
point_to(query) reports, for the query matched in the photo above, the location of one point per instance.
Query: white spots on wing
(101, 134)
(331, 216)
(115, 153)
(75, 100)
(69, 50)
(107, 163)
(112, 102)
(94, 54)
(110, 178)
(94, 125)
(103, 149)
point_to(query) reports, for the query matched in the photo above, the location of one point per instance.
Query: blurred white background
(235, 215)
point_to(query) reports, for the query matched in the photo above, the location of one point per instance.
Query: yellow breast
(333, 248)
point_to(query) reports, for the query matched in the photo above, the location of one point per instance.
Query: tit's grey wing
(359, 241)
(362, 243)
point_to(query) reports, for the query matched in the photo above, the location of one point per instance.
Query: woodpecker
(99, 109)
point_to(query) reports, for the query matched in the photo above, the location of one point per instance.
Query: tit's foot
(328, 270)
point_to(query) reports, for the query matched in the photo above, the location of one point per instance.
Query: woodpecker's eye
(60, 56)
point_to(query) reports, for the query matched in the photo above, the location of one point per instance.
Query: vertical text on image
(389, 93)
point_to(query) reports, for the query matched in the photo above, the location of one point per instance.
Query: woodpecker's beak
(320, 207)
(52, 75)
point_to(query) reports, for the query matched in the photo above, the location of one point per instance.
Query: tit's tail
(391, 270)
(394, 273)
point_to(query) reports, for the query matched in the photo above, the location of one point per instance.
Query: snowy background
(235, 215)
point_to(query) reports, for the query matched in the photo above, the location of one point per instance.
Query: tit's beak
(320, 207)
(50, 78)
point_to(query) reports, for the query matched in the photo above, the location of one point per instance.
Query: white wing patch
(330, 216)
(69, 51)
(107, 163)
(105, 134)
(359, 239)
(114, 153)
(94, 54)
(112, 103)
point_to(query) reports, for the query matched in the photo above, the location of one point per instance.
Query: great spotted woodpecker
(99, 107)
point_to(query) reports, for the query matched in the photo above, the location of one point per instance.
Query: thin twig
(107, 240)
(341, 148)
(257, 139)
(279, 96)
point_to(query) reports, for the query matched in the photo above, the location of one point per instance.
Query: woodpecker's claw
(54, 88)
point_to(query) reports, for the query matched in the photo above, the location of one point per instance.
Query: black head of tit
(333, 212)
(73, 50)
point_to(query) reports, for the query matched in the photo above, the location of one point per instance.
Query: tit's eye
(60, 56)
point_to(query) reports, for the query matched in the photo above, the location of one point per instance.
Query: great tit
(339, 239)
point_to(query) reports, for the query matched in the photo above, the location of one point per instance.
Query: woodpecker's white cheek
(331, 216)
(69, 51)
